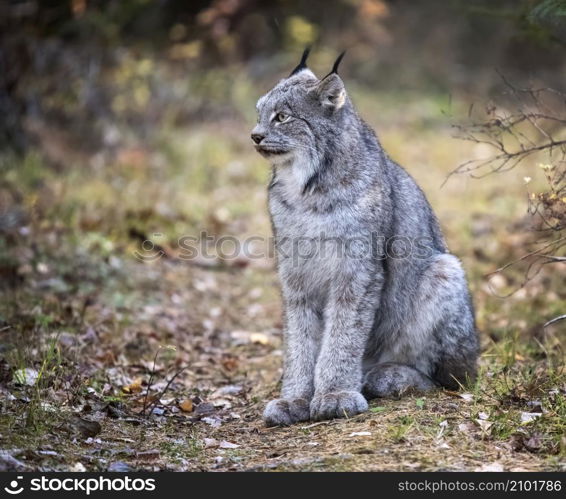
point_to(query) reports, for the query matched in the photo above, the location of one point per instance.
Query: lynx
(374, 303)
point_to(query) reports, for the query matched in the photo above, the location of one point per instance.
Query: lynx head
(300, 115)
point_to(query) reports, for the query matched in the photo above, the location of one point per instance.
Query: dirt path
(219, 330)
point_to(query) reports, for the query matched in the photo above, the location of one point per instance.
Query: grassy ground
(102, 331)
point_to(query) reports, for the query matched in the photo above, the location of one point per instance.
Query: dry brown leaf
(186, 405)
(244, 337)
(134, 387)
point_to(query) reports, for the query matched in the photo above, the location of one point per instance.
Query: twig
(555, 258)
(154, 403)
(150, 381)
(315, 424)
(556, 319)
(524, 257)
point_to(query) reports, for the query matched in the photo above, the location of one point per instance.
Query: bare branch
(556, 319)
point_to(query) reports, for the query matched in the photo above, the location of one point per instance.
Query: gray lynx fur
(364, 316)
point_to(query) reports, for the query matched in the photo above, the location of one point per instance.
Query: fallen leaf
(210, 442)
(87, 429)
(229, 363)
(204, 408)
(186, 405)
(360, 434)
(259, 338)
(466, 397)
(26, 376)
(227, 445)
(227, 390)
(134, 387)
(212, 421)
(243, 337)
(226, 404)
(484, 425)
(78, 468)
(527, 417)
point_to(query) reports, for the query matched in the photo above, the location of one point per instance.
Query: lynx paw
(285, 412)
(337, 405)
(393, 380)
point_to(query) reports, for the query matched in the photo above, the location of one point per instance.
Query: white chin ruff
(279, 159)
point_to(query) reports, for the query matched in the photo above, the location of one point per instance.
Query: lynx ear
(331, 92)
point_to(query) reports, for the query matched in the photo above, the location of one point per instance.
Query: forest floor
(111, 359)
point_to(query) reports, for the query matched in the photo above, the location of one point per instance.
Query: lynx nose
(257, 137)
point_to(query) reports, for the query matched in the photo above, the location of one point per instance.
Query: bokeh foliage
(90, 67)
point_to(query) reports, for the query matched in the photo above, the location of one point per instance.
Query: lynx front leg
(349, 318)
(302, 335)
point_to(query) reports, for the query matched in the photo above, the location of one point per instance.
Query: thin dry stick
(153, 405)
(524, 257)
(556, 319)
(150, 381)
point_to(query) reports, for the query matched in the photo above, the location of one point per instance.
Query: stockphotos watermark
(79, 484)
(298, 249)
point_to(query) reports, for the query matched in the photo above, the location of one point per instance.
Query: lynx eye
(282, 117)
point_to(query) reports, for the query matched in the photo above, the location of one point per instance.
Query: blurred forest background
(125, 126)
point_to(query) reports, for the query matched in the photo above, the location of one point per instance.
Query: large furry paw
(394, 380)
(285, 412)
(337, 405)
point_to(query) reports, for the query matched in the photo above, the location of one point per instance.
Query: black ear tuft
(303, 64)
(337, 63)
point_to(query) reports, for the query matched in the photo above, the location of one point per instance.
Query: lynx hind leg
(454, 334)
(437, 345)
(393, 380)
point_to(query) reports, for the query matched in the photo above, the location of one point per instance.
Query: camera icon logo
(12, 487)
